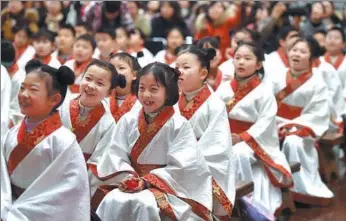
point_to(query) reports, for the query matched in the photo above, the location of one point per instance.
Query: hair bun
(121, 81)
(140, 54)
(33, 64)
(65, 75)
(210, 53)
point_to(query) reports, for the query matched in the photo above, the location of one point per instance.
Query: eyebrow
(31, 85)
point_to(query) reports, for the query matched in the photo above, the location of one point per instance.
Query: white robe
(78, 80)
(312, 96)
(259, 108)
(184, 170)
(27, 55)
(227, 69)
(54, 177)
(211, 127)
(5, 102)
(147, 58)
(15, 114)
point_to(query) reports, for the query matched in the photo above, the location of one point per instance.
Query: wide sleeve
(61, 192)
(6, 192)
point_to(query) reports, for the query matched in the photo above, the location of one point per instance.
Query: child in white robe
(5, 102)
(64, 40)
(137, 39)
(106, 44)
(123, 100)
(302, 118)
(43, 174)
(251, 112)
(207, 115)
(22, 40)
(154, 161)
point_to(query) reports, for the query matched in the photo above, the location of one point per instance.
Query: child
(251, 110)
(106, 44)
(65, 40)
(208, 118)
(43, 42)
(88, 115)
(122, 100)
(175, 39)
(122, 38)
(320, 36)
(302, 117)
(22, 44)
(43, 165)
(137, 39)
(154, 158)
(335, 44)
(82, 52)
(82, 28)
(215, 75)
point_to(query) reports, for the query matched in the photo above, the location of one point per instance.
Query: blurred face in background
(240, 36)
(174, 40)
(21, 39)
(334, 42)
(53, 7)
(166, 11)
(132, 8)
(122, 39)
(320, 38)
(65, 40)
(15, 7)
(317, 12)
(328, 7)
(216, 10)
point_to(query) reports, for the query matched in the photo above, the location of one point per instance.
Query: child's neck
(191, 94)
(334, 53)
(297, 73)
(36, 120)
(65, 51)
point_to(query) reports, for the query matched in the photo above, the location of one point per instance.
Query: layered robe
(251, 112)
(78, 70)
(90, 128)
(43, 174)
(303, 111)
(208, 118)
(49, 60)
(119, 107)
(340, 66)
(15, 114)
(335, 93)
(62, 60)
(146, 59)
(23, 55)
(165, 154)
(227, 69)
(5, 102)
(165, 57)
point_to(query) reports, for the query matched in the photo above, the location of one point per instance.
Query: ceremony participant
(65, 40)
(137, 39)
(302, 118)
(22, 43)
(154, 158)
(43, 174)
(106, 44)
(207, 115)
(251, 111)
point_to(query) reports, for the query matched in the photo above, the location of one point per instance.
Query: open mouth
(24, 104)
(89, 93)
(240, 69)
(148, 103)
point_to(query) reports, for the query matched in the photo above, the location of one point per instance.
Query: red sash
(78, 70)
(169, 59)
(27, 141)
(218, 79)
(44, 60)
(20, 51)
(338, 61)
(82, 126)
(62, 60)
(197, 101)
(125, 107)
(283, 56)
(12, 70)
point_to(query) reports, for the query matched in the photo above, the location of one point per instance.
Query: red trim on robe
(220, 195)
(338, 61)
(125, 107)
(27, 141)
(218, 79)
(169, 59)
(78, 69)
(282, 54)
(12, 70)
(44, 60)
(19, 51)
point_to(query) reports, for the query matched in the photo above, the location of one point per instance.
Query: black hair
(320, 31)
(69, 27)
(176, 10)
(116, 79)
(8, 53)
(60, 78)
(108, 31)
(164, 75)
(111, 6)
(133, 63)
(257, 50)
(212, 41)
(175, 28)
(84, 25)
(123, 28)
(44, 33)
(88, 38)
(285, 31)
(335, 28)
(24, 28)
(314, 47)
(204, 55)
(140, 32)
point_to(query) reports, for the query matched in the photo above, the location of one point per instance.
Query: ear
(203, 74)
(259, 65)
(282, 43)
(55, 99)
(134, 75)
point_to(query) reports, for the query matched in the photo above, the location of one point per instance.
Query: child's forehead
(42, 38)
(83, 41)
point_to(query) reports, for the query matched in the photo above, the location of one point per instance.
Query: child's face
(124, 68)
(245, 62)
(151, 94)
(43, 47)
(215, 11)
(320, 38)
(53, 7)
(317, 11)
(122, 39)
(95, 86)
(192, 75)
(105, 43)
(299, 56)
(334, 41)
(240, 36)
(21, 39)
(166, 11)
(80, 30)
(136, 40)
(33, 97)
(174, 40)
(65, 39)
(82, 51)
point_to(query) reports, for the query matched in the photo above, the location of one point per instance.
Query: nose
(23, 94)
(146, 94)
(90, 86)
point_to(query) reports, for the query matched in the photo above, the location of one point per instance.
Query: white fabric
(15, 114)
(258, 107)
(160, 56)
(174, 146)
(55, 63)
(136, 107)
(54, 176)
(312, 96)
(147, 58)
(27, 55)
(5, 102)
(227, 69)
(78, 80)
(211, 127)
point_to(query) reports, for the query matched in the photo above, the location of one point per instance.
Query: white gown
(5, 102)
(73, 90)
(303, 112)
(27, 55)
(208, 118)
(45, 173)
(15, 115)
(147, 58)
(251, 111)
(163, 153)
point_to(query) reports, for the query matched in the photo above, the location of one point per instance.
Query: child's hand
(235, 138)
(132, 185)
